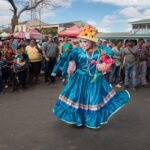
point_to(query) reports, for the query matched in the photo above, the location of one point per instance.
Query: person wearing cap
(87, 98)
(50, 49)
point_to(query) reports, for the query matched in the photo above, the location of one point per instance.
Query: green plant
(52, 31)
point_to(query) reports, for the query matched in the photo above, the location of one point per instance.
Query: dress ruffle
(91, 104)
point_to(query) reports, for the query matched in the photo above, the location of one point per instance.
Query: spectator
(122, 68)
(129, 55)
(142, 54)
(115, 69)
(22, 61)
(8, 52)
(35, 57)
(22, 43)
(50, 49)
(66, 46)
(9, 55)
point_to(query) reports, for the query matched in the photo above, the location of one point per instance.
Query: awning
(4, 35)
(71, 32)
(35, 34)
(20, 35)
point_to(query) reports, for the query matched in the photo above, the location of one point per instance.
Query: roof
(78, 21)
(30, 21)
(24, 22)
(143, 21)
(122, 35)
(114, 34)
(71, 22)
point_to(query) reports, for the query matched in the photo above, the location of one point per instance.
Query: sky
(105, 15)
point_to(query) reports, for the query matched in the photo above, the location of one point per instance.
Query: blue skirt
(83, 102)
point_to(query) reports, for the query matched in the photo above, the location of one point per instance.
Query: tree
(20, 6)
(52, 31)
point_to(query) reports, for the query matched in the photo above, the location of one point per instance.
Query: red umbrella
(71, 32)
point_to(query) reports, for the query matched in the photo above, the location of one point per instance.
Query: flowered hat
(88, 32)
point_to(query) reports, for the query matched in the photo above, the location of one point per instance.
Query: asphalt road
(27, 123)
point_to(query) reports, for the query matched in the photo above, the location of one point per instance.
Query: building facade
(140, 29)
(63, 26)
(26, 25)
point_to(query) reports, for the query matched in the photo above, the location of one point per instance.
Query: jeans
(142, 73)
(114, 74)
(130, 71)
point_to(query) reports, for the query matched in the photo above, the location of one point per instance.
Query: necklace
(89, 56)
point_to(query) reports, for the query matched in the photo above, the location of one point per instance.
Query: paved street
(27, 123)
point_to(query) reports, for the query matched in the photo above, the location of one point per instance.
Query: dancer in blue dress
(87, 99)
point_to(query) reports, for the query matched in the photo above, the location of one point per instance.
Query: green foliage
(52, 31)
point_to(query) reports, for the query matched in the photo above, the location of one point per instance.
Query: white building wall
(21, 27)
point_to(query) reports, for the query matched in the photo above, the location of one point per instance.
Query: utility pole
(33, 11)
(40, 9)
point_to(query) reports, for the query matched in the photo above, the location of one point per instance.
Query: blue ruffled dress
(84, 101)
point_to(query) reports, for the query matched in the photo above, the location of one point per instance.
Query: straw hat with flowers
(88, 32)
